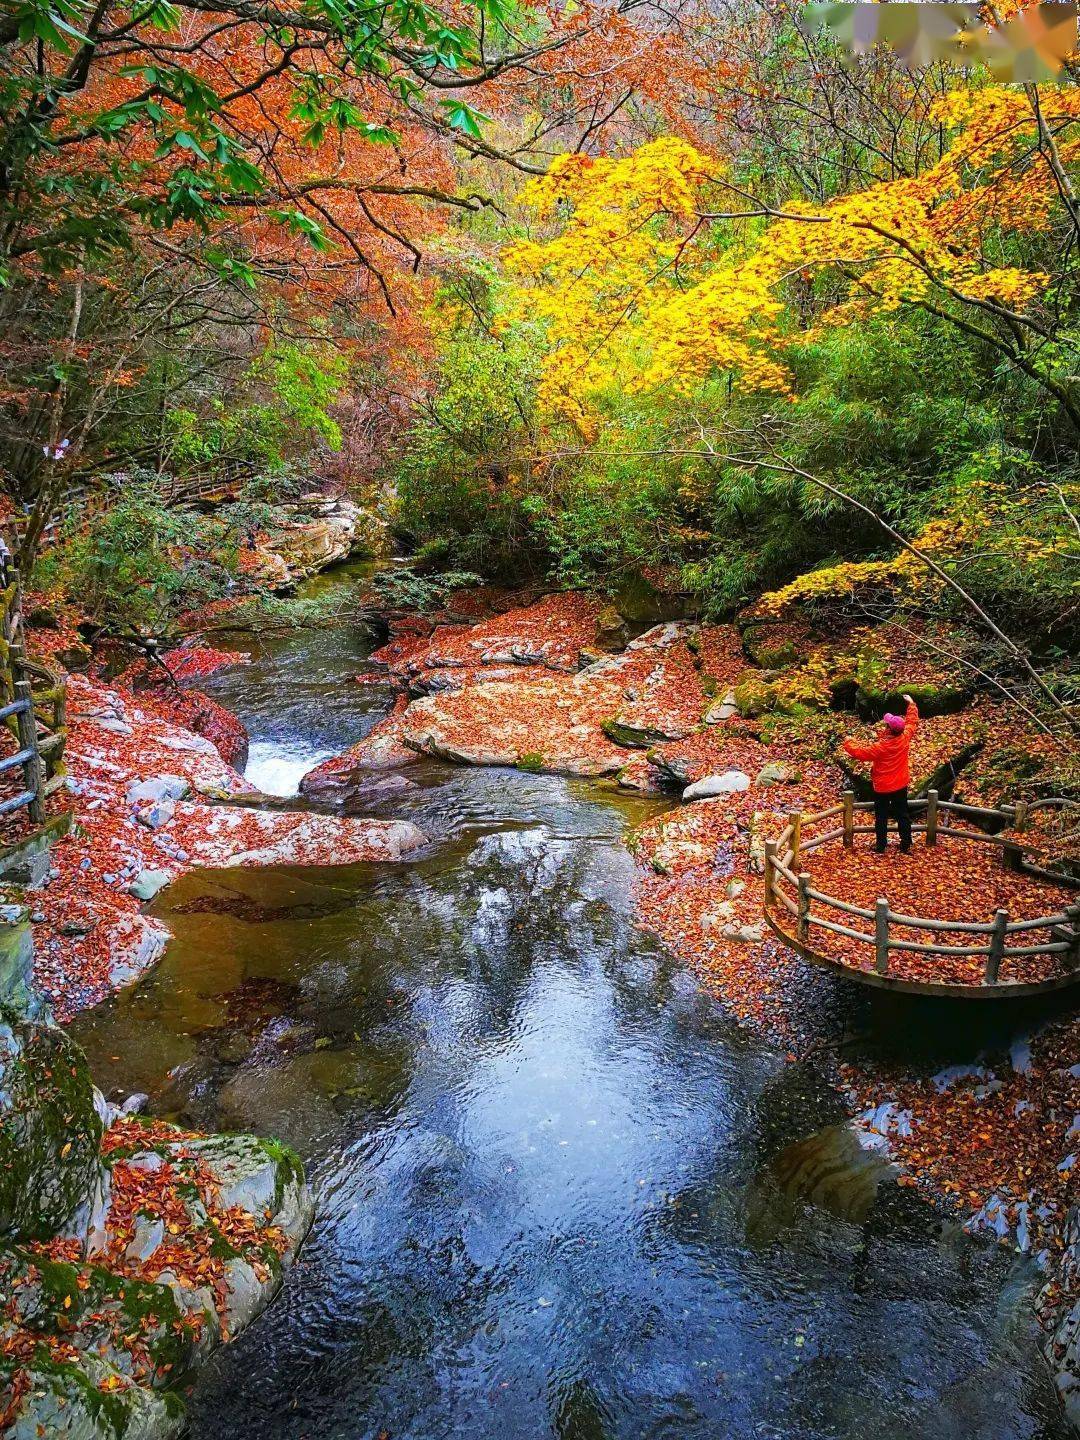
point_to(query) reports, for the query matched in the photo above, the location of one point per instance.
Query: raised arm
(911, 717)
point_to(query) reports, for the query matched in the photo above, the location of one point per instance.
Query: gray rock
(721, 710)
(148, 882)
(159, 787)
(259, 1176)
(149, 1235)
(746, 934)
(727, 784)
(156, 814)
(775, 772)
(64, 1403)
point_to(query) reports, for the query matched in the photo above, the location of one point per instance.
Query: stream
(556, 1189)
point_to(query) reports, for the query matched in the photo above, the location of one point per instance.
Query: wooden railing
(223, 481)
(790, 893)
(33, 705)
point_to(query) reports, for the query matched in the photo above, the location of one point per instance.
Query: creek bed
(559, 1194)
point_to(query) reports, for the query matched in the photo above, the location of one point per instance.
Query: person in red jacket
(890, 773)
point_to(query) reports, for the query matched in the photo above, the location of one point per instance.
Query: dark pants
(892, 803)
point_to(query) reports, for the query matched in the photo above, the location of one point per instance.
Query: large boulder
(50, 1130)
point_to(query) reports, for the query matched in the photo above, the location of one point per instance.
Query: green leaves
(56, 24)
(301, 224)
(462, 117)
(320, 113)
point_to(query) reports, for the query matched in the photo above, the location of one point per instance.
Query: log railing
(33, 705)
(790, 895)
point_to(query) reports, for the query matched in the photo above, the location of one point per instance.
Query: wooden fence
(33, 705)
(790, 896)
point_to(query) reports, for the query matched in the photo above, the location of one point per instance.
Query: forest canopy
(602, 295)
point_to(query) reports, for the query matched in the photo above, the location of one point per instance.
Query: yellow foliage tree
(647, 281)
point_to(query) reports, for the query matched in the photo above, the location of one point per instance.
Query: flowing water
(559, 1195)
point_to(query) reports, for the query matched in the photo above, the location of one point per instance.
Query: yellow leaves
(831, 582)
(637, 290)
(1007, 285)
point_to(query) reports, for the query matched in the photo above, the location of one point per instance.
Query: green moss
(290, 1168)
(754, 696)
(59, 1282)
(532, 761)
(50, 1132)
(106, 1408)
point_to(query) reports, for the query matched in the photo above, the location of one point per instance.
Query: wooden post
(1072, 955)
(849, 819)
(931, 817)
(803, 931)
(28, 740)
(795, 822)
(770, 873)
(17, 662)
(1011, 856)
(1020, 814)
(881, 935)
(997, 947)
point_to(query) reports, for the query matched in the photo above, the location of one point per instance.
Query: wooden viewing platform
(790, 898)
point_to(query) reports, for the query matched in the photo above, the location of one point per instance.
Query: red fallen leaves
(940, 741)
(73, 969)
(215, 614)
(200, 1238)
(190, 1250)
(730, 746)
(550, 633)
(199, 713)
(956, 880)
(1007, 1134)
(701, 881)
(721, 655)
(381, 749)
(195, 662)
(584, 724)
(1011, 1137)
(1018, 761)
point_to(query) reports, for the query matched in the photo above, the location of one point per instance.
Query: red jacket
(890, 768)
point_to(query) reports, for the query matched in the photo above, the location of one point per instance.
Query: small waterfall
(277, 768)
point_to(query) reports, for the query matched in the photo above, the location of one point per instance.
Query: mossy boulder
(50, 1130)
(775, 642)
(636, 736)
(754, 694)
(87, 1399)
(872, 701)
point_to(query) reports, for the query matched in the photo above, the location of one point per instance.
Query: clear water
(557, 1195)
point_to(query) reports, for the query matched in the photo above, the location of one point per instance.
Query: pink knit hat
(895, 723)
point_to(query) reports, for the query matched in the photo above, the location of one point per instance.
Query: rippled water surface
(557, 1191)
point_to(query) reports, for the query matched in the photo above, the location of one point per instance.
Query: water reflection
(559, 1195)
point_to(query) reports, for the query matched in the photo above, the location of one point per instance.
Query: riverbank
(559, 686)
(151, 798)
(690, 709)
